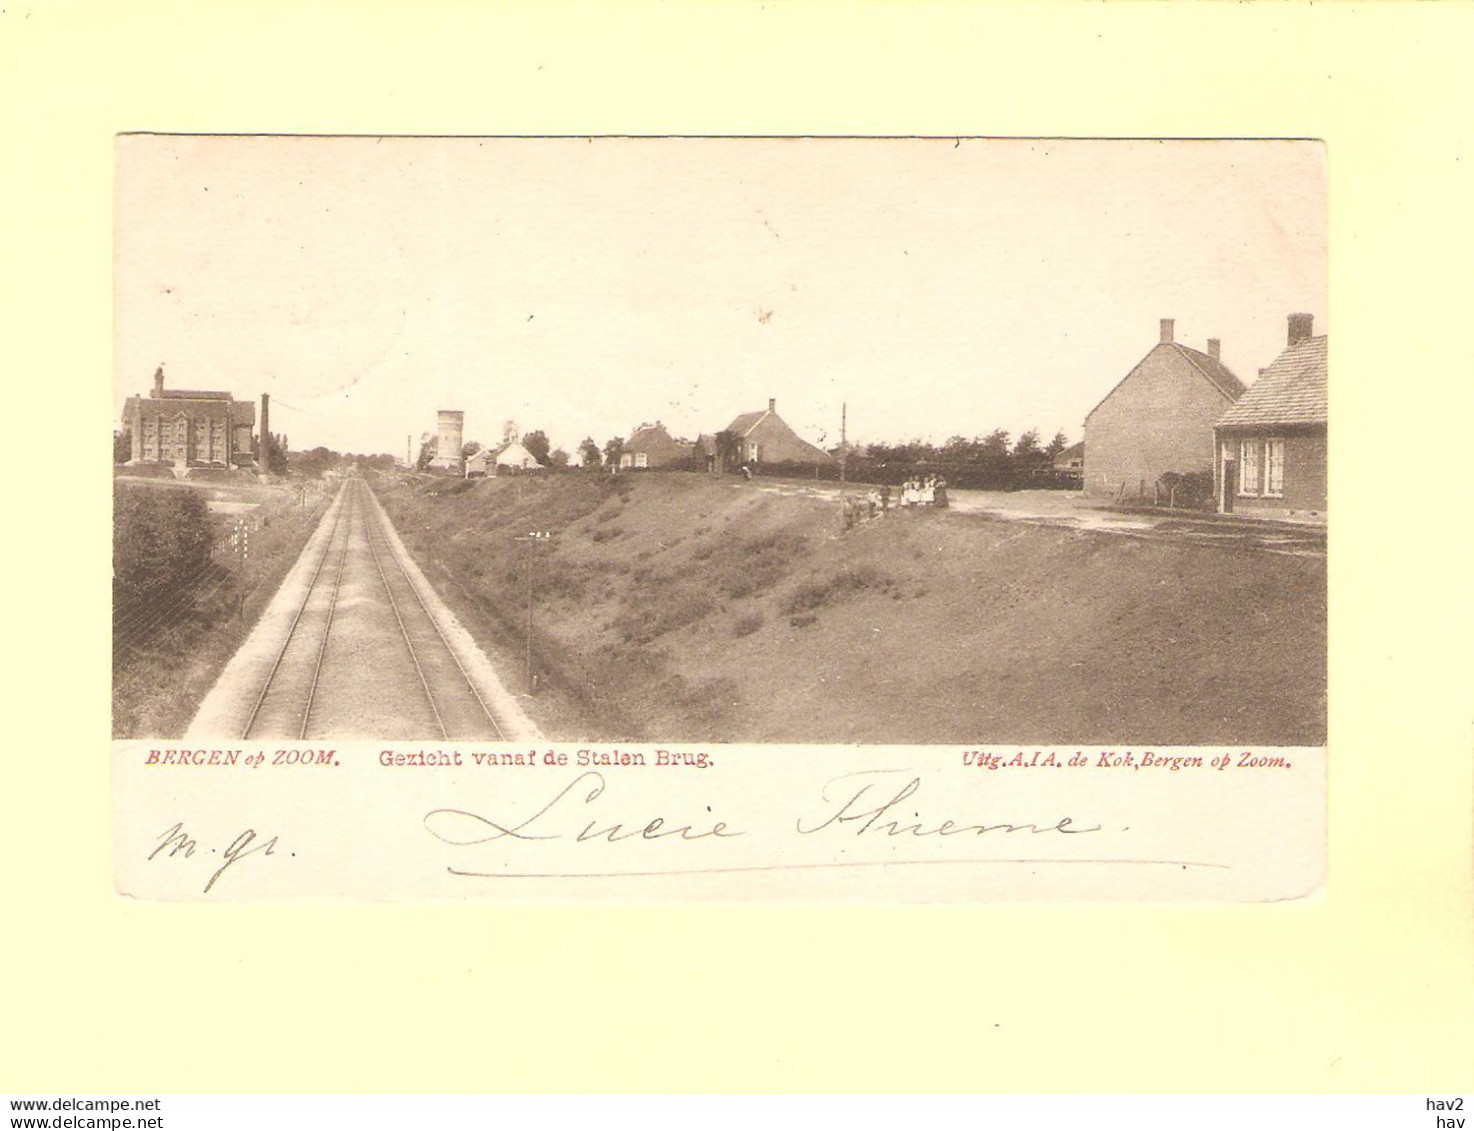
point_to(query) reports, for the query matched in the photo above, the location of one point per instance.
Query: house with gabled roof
(1271, 444)
(764, 437)
(1157, 419)
(1071, 459)
(650, 446)
(510, 456)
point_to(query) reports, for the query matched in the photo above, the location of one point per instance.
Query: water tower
(450, 430)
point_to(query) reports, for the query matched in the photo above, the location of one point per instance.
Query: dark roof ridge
(1188, 355)
(1197, 357)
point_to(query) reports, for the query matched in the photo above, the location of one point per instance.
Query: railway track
(363, 653)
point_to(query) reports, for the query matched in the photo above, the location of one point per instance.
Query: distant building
(765, 438)
(1071, 459)
(510, 456)
(1272, 442)
(190, 427)
(1158, 419)
(650, 446)
(449, 430)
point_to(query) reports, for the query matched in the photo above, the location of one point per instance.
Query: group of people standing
(918, 491)
(924, 491)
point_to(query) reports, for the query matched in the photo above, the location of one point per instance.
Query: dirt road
(1071, 511)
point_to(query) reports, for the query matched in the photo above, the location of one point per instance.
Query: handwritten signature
(176, 842)
(863, 803)
(462, 827)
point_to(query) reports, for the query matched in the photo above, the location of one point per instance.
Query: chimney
(265, 430)
(158, 382)
(1213, 346)
(1300, 327)
(1166, 330)
(772, 404)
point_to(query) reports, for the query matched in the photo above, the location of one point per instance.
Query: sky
(931, 288)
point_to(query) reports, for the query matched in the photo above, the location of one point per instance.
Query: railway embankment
(677, 606)
(191, 579)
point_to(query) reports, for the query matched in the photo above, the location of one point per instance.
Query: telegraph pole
(532, 538)
(844, 455)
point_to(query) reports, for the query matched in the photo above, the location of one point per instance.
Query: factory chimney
(262, 463)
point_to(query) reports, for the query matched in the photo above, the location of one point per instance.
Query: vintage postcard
(711, 518)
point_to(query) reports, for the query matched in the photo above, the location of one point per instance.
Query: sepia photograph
(725, 440)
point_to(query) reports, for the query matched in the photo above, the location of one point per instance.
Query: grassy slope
(679, 607)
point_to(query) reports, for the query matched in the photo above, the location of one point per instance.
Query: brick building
(1272, 442)
(1159, 418)
(190, 427)
(765, 438)
(651, 446)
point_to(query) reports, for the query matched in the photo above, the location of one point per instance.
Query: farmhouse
(1272, 442)
(190, 427)
(764, 438)
(1159, 418)
(1071, 459)
(511, 455)
(651, 446)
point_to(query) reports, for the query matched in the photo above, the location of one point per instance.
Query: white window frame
(642, 459)
(1273, 489)
(1248, 449)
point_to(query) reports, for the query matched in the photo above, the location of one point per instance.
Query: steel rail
(435, 624)
(403, 631)
(327, 628)
(292, 628)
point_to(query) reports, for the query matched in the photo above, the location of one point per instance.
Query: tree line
(996, 450)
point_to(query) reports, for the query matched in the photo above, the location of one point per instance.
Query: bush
(817, 594)
(455, 487)
(1193, 489)
(748, 624)
(162, 538)
(759, 562)
(676, 610)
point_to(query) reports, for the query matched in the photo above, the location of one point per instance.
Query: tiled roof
(195, 395)
(1213, 369)
(746, 422)
(1220, 376)
(1291, 391)
(652, 436)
